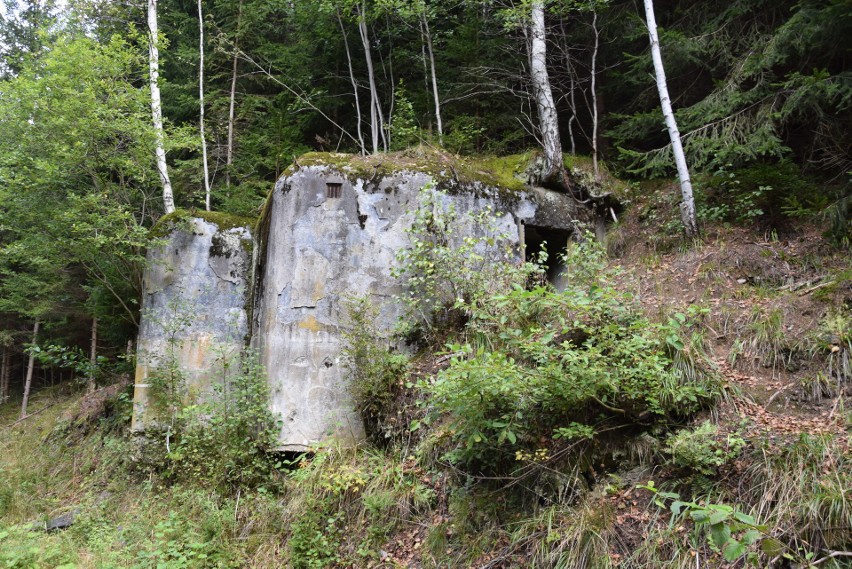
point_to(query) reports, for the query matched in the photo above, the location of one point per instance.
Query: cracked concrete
(323, 246)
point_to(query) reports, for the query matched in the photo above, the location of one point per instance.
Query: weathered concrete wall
(319, 251)
(319, 246)
(193, 309)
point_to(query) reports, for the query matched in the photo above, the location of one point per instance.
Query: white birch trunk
(547, 117)
(156, 106)
(229, 150)
(354, 85)
(375, 109)
(595, 95)
(201, 106)
(435, 94)
(687, 205)
(28, 380)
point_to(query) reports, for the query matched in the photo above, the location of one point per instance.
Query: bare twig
(832, 555)
(9, 426)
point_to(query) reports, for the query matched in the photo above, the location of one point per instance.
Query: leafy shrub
(451, 261)
(376, 372)
(759, 191)
(729, 530)
(403, 125)
(702, 449)
(21, 548)
(225, 442)
(544, 365)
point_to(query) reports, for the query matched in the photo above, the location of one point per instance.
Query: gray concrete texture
(193, 312)
(330, 238)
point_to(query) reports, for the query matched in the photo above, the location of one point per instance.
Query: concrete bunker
(326, 235)
(193, 309)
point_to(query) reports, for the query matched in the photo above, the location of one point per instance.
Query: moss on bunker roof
(224, 221)
(496, 171)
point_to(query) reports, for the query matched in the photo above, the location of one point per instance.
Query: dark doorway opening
(555, 241)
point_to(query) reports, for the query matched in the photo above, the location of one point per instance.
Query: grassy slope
(767, 324)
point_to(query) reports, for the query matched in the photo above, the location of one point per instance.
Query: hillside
(749, 449)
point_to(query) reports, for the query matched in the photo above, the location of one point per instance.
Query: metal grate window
(333, 189)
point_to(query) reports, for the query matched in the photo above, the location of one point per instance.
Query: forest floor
(772, 313)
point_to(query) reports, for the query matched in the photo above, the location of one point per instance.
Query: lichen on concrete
(193, 306)
(331, 229)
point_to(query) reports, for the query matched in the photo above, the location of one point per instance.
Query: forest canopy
(761, 90)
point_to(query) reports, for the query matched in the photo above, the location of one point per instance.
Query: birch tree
(427, 34)
(354, 83)
(687, 204)
(28, 379)
(229, 149)
(547, 116)
(156, 106)
(377, 125)
(201, 106)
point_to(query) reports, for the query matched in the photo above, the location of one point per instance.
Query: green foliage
(376, 372)
(221, 439)
(224, 443)
(758, 192)
(752, 78)
(730, 530)
(18, 550)
(702, 449)
(451, 262)
(462, 134)
(169, 548)
(403, 125)
(336, 492)
(541, 364)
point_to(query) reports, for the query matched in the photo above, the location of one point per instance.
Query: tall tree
(427, 34)
(28, 380)
(201, 106)
(548, 120)
(687, 204)
(157, 106)
(377, 123)
(25, 27)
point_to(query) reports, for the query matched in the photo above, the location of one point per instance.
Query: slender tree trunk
(201, 106)
(156, 106)
(376, 125)
(385, 129)
(4, 376)
(687, 205)
(595, 94)
(229, 150)
(547, 117)
(572, 86)
(435, 93)
(354, 85)
(93, 357)
(28, 380)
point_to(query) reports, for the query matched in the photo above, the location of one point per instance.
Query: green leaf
(744, 518)
(733, 550)
(720, 534)
(718, 516)
(771, 547)
(751, 536)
